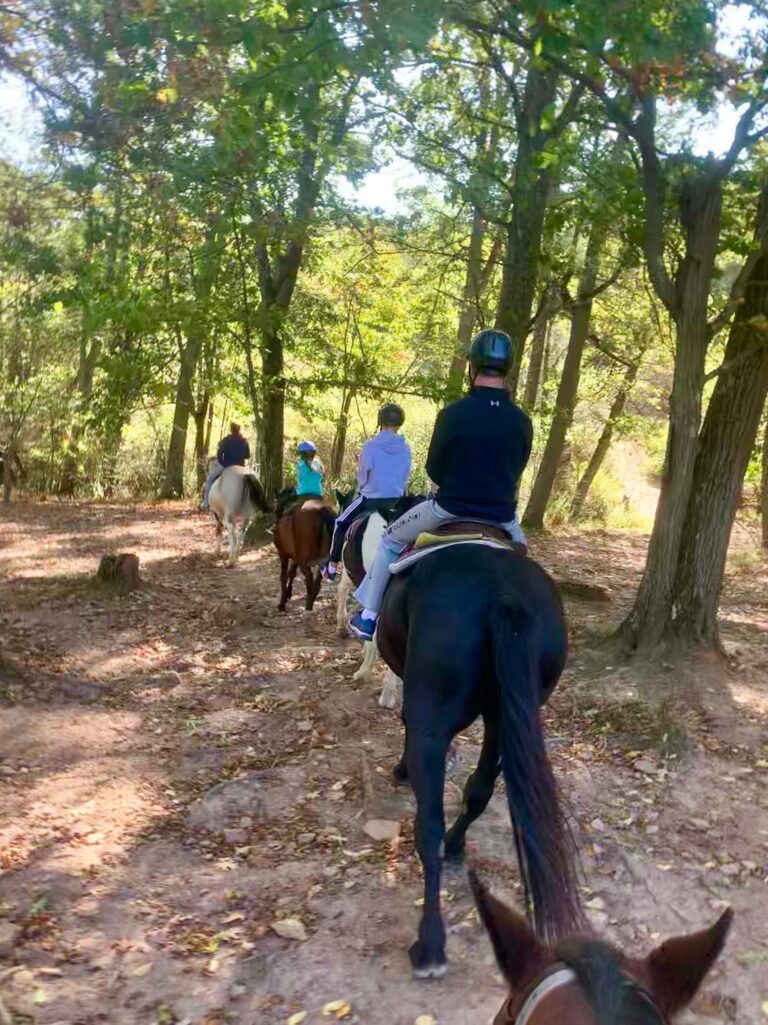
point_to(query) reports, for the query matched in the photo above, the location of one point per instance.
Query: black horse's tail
(254, 492)
(545, 846)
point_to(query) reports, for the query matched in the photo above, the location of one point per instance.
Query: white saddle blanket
(413, 555)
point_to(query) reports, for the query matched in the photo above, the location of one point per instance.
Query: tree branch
(739, 286)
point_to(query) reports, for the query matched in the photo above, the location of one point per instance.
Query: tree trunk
(273, 411)
(173, 486)
(529, 201)
(209, 428)
(8, 457)
(699, 214)
(201, 449)
(89, 357)
(604, 441)
(764, 487)
(567, 393)
(340, 437)
(469, 308)
(725, 445)
(538, 342)
(202, 284)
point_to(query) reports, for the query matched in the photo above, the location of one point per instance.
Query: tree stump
(121, 571)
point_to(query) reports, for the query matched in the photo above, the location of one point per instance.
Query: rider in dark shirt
(479, 449)
(233, 450)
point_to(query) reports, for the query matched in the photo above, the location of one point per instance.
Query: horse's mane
(614, 997)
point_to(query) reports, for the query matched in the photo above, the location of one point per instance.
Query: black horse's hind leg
(400, 771)
(478, 790)
(426, 769)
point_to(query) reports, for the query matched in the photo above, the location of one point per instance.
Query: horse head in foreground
(588, 982)
(236, 496)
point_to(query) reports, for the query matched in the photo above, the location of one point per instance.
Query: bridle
(520, 1009)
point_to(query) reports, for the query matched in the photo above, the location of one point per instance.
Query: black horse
(473, 632)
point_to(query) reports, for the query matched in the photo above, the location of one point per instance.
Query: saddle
(457, 532)
(464, 530)
(289, 502)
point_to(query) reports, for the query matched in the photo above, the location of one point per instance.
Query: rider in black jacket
(479, 449)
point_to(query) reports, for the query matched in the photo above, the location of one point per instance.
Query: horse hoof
(387, 700)
(400, 773)
(436, 971)
(361, 676)
(426, 965)
(281, 608)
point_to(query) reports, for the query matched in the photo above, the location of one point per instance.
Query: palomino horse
(481, 632)
(303, 542)
(588, 982)
(236, 495)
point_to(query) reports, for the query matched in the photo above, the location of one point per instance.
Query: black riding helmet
(391, 415)
(492, 350)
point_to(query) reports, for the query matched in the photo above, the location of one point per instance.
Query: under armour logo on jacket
(495, 403)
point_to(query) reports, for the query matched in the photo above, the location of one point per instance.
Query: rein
(558, 975)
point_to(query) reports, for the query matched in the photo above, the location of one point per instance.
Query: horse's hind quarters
(663, 983)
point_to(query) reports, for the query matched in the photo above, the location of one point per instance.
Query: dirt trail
(183, 767)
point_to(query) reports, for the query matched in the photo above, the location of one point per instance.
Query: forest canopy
(205, 227)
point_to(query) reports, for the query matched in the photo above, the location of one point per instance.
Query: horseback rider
(382, 474)
(479, 448)
(233, 450)
(309, 472)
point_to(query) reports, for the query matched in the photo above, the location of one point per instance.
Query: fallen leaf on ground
(290, 929)
(236, 916)
(382, 829)
(142, 969)
(339, 1008)
(425, 1019)
(297, 1019)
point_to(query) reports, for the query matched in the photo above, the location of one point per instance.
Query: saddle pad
(316, 503)
(426, 540)
(413, 555)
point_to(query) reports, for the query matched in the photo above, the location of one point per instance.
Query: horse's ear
(677, 968)
(519, 954)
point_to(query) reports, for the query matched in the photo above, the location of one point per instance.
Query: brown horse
(588, 982)
(303, 542)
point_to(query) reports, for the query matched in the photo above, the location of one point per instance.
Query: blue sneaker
(363, 629)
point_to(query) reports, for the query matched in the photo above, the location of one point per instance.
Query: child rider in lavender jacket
(382, 475)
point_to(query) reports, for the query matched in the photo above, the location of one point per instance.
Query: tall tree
(677, 58)
(565, 403)
(613, 420)
(204, 267)
(725, 444)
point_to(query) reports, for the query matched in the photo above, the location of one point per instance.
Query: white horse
(391, 692)
(236, 495)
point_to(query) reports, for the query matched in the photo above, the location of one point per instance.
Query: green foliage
(192, 194)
